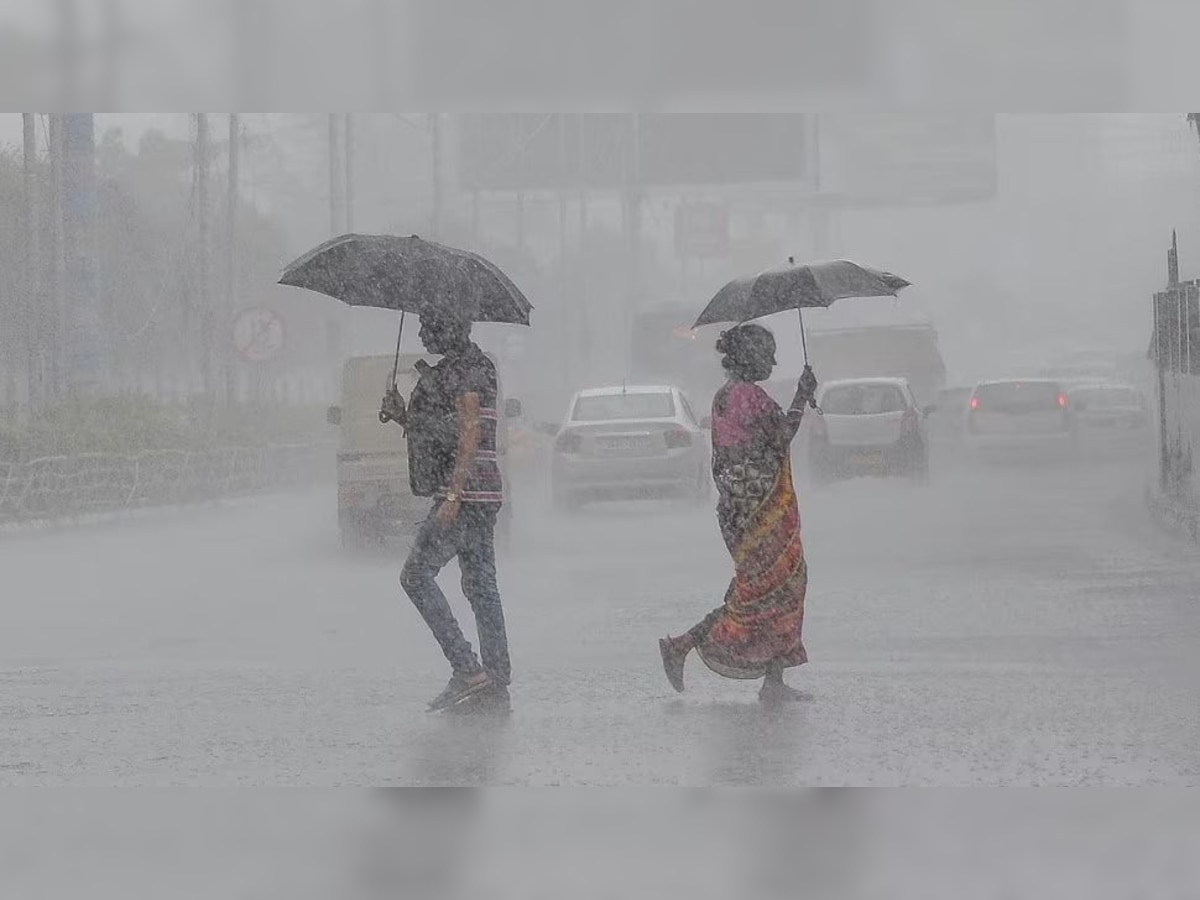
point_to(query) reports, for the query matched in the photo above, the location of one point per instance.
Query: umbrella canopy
(411, 275)
(797, 287)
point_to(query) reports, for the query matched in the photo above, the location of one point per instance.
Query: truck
(664, 349)
(886, 351)
(374, 500)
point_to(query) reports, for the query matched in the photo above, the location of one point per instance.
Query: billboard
(906, 158)
(847, 159)
(531, 151)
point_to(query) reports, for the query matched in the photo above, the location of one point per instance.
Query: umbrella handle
(399, 338)
(803, 336)
(384, 418)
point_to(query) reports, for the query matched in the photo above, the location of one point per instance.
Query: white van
(374, 497)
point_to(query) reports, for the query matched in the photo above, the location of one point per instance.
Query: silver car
(630, 443)
(1110, 421)
(1020, 420)
(868, 426)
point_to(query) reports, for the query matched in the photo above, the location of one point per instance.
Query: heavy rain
(604, 448)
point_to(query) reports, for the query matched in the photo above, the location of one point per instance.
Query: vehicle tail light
(1062, 401)
(678, 439)
(910, 423)
(819, 429)
(569, 442)
(974, 404)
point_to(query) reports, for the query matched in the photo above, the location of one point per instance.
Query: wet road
(1000, 628)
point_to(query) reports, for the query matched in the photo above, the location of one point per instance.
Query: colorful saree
(760, 621)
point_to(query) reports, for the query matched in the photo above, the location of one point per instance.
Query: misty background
(1026, 236)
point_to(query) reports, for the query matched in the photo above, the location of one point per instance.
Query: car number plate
(869, 459)
(625, 445)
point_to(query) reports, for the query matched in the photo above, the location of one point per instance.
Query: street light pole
(58, 269)
(33, 317)
(335, 176)
(231, 244)
(348, 153)
(435, 130)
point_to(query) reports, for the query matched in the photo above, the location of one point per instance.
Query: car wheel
(920, 473)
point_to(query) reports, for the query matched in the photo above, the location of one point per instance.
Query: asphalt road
(998, 627)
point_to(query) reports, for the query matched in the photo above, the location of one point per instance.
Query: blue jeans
(472, 538)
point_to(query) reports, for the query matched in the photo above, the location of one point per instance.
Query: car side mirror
(333, 415)
(513, 409)
(929, 410)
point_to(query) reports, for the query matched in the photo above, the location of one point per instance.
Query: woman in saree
(756, 632)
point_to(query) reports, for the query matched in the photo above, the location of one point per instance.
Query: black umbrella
(796, 287)
(411, 275)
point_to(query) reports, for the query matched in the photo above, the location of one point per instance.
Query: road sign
(258, 335)
(701, 230)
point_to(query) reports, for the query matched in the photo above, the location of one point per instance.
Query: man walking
(451, 423)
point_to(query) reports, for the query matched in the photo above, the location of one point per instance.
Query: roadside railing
(65, 487)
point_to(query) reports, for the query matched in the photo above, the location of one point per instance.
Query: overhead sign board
(853, 159)
(907, 158)
(531, 151)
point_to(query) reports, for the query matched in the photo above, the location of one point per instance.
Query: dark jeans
(472, 539)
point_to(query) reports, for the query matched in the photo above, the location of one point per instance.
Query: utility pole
(32, 312)
(564, 299)
(435, 132)
(520, 220)
(348, 152)
(336, 207)
(632, 166)
(821, 216)
(519, 138)
(231, 244)
(204, 294)
(581, 286)
(475, 219)
(58, 264)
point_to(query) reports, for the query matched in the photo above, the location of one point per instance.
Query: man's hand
(447, 513)
(393, 408)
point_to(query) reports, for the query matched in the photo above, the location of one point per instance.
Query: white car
(1020, 420)
(868, 426)
(630, 442)
(1110, 420)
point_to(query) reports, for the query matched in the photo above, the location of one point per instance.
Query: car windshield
(612, 407)
(1017, 397)
(1106, 398)
(863, 400)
